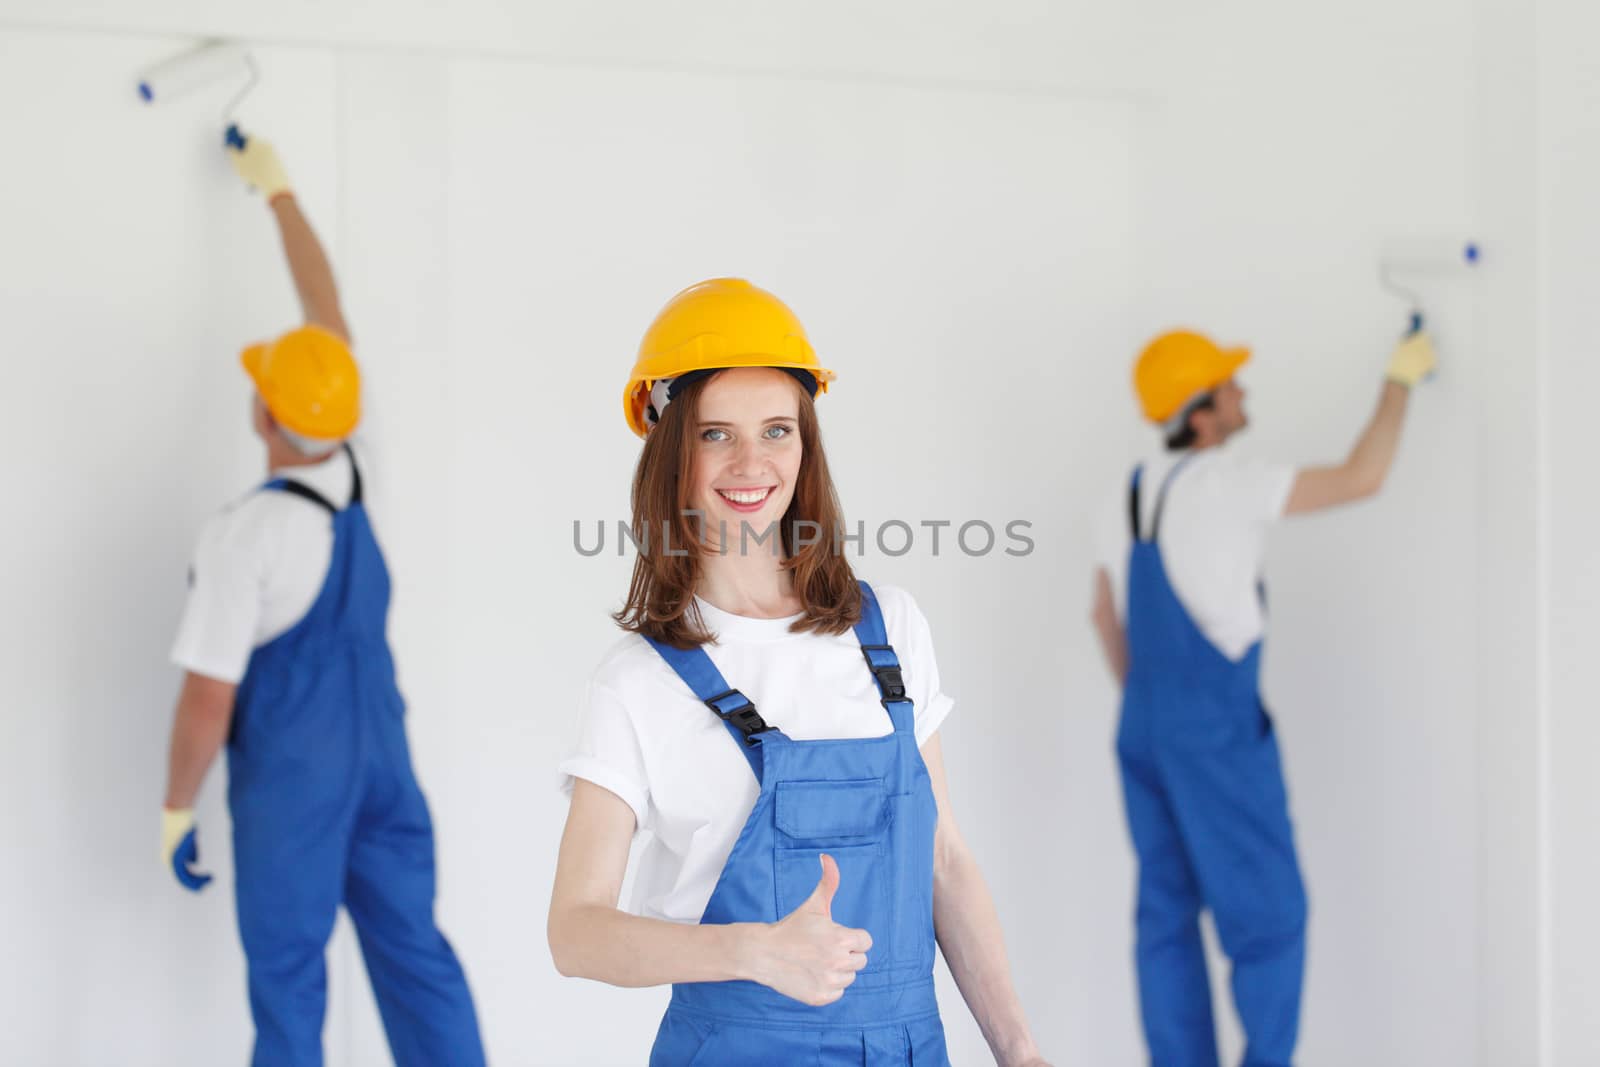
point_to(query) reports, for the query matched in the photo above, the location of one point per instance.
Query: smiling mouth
(745, 497)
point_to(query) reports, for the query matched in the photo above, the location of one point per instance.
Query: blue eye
(775, 432)
(707, 436)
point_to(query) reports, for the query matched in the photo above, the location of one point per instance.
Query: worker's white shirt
(1213, 530)
(648, 739)
(257, 569)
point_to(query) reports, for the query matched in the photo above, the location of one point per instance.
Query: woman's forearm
(969, 934)
(609, 945)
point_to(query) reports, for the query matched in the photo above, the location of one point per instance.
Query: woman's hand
(806, 955)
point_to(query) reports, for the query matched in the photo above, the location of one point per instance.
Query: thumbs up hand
(809, 957)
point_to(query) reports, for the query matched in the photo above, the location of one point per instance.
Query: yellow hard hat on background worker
(309, 382)
(715, 325)
(1179, 366)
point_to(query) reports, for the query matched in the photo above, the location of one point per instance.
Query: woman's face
(746, 449)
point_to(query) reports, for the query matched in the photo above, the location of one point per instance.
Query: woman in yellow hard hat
(804, 857)
(1203, 786)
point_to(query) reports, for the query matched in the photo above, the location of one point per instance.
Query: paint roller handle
(234, 138)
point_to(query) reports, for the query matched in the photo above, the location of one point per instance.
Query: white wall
(1513, 979)
(1030, 45)
(1027, 188)
(1569, 226)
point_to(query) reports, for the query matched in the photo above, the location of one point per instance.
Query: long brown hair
(661, 595)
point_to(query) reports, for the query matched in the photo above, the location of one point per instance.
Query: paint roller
(1404, 261)
(207, 65)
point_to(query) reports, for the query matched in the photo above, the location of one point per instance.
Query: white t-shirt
(648, 739)
(257, 569)
(1213, 530)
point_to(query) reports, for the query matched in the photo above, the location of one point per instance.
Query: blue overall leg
(326, 811)
(416, 979)
(1174, 986)
(1209, 816)
(293, 799)
(1232, 803)
(288, 886)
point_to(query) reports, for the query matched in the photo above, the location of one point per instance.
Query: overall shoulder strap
(355, 476)
(1133, 502)
(735, 709)
(882, 661)
(1161, 499)
(304, 492)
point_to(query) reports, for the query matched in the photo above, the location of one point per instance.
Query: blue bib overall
(326, 812)
(1210, 823)
(868, 804)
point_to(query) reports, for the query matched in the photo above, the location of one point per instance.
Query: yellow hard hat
(1177, 367)
(308, 380)
(721, 323)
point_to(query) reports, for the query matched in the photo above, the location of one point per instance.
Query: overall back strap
(355, 476)
(1133, 502)
(305, 492)
(1134, 511)
(735, 709)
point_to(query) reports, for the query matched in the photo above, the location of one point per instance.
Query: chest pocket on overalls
(849, 820)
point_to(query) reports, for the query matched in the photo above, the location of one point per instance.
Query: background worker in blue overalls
(1201, 776)
(284, 643)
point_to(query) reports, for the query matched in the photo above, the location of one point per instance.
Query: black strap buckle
(890, 682)
(734, 707)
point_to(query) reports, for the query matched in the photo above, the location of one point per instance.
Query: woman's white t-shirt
(649, 740)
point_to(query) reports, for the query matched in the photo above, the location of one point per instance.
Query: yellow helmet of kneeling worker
(715, 325)
(308, 380)
(1178, 366)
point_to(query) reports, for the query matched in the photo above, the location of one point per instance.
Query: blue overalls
(869, 805)
(1210, 823)
(326, 811)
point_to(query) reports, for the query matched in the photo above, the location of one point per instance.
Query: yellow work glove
(1413, 360)
(179, 849)
(258, 164)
